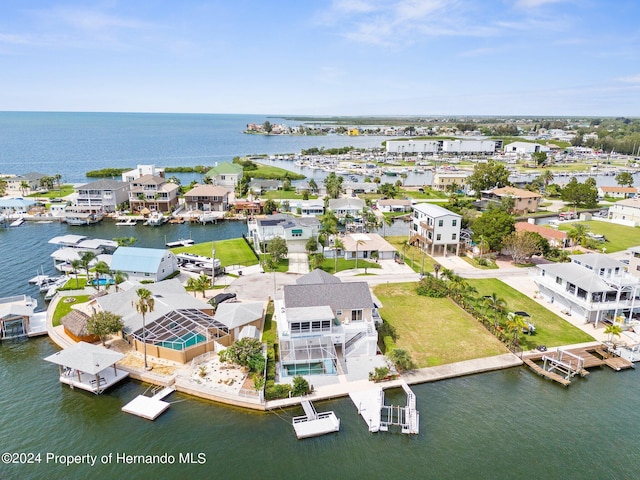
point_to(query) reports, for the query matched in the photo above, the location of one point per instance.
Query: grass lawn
(55, 192)
(433, 339)
(491, 265)
(63, 307)
(273, 173)
(328, 264)
(269, 333)
(551, 330)
(427, 195)
(234, 251)
(619, 237)
(282, 266)
(412, 256)
(285, 195)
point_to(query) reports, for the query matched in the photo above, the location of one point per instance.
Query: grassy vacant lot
(55, 192)
(273, 173)
(618, 237)
(435, 331)
(551, 330)
(412, 256)
(285, 195)
(230, 252)
(65, 307)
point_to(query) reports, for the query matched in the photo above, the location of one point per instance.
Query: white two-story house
(320, 314)
(435, 229)
(594, 287)
(296, 231)
(101, 196)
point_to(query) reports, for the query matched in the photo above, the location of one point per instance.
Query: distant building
(556, 238)
(347, 206)
(140, 170)
(617, 192)
(296, 231)
(394, 205)
(634, 261)
(442, 181)
(23, 184)
(626, 212)
(525, 148)
(154, 193)
(226, 174)
(466, 146)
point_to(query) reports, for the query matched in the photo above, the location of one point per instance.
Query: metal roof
(86, 358)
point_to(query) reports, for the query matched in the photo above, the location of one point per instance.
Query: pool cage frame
(176, 329)
(302, 353)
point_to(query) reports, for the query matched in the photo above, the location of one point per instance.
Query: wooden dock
(590, 357)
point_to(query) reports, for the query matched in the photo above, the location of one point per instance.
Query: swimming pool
(320, 368)
(101, 281)
(183, 342)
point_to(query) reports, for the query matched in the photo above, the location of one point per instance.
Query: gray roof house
(144, 263)
(102, 196)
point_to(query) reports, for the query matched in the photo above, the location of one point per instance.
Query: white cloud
(630, 79)
(535, 3)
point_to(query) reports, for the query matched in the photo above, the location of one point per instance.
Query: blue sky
(341, 57)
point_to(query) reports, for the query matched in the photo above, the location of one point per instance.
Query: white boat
(155, 219)
(129, 222)
(180, 243)
(17, 222)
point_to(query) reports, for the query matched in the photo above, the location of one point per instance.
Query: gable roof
(514, 192)
(619, 189)
(580, 276)
(207, 191)
(104, 184)
(225, 168)
(86, 358)
(234, 315)
(630, 202)
(136, 259)
(433, 210)
(316, 277)
(350, 295)
(542, 230)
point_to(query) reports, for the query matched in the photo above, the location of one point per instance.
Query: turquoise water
(102, 281)
(181, 343)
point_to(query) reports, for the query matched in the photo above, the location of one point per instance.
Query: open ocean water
(509, 424)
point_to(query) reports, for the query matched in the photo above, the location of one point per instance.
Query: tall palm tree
(101, 268)
(119, 277)
(613, 330)
(192, 284)
(547, 177)
(578, 233)
(337, 245)
(387, 221)
(85, 259)
(497, 304)
(76, 265)
(358, 243)
(515, 324)
(144, 305)
(203, 283)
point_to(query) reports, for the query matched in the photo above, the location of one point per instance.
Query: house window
(339, 313)
(453, 236)
(454, 223)
(438, 237)
(440, 223)
(356, 315)
(559, 280)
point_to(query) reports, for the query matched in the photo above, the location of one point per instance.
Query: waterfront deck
(149, 407)
(314, 424)
(587, 357)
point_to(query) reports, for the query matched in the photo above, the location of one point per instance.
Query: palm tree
(578, 233)
(203, 283)
(386, 221)
(337, 245)
(76, 265)
(497, 304)
(515, 324)
(613, 330)
(358, 243)
(144, 305)
(547, 177)
(119, 277)
(101, 268)
(192, 284)
(313, 186)
(85, 259)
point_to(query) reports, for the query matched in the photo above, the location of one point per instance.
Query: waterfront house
(235, 316)
(556, 238)
(73, 246)
(225, 174)
(144, 263)
(396, 205)
(141, 170)
(179, 328)
(16, 206)
(260, 186)
(524, 148)
(23, 184)
(524, 201)
(320, 314)
(593, 287)
(435, 229)
(101, 196)
(617, 192)
(351, 187)
(364, 245)
(247, 207)
(626, 212)
(207, 198)
(347, 206)
(154, 193)
(307, 208)
(296, 231)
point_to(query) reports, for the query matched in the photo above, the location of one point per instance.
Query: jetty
(150, 407)
(564, 364)
(312, 423)
(379, 417)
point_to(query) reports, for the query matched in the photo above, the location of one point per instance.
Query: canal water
(509, 424)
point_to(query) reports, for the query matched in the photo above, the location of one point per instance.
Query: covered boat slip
(89, 367)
